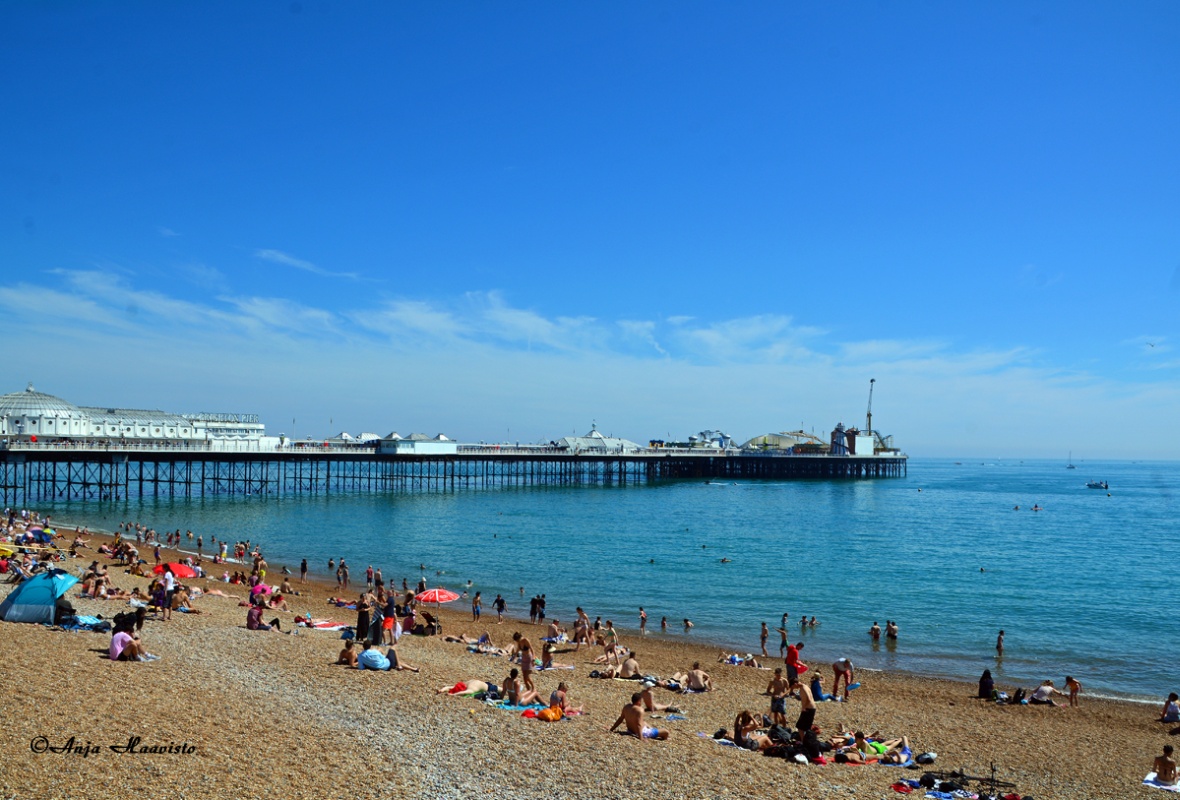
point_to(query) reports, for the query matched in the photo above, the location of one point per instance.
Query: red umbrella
(179, 570)
(436, 596)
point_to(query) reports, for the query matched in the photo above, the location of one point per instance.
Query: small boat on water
(1097, 485)
(1069, 464)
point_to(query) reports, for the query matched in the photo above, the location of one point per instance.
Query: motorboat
(1097, 485)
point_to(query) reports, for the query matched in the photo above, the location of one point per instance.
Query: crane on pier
(869, 415)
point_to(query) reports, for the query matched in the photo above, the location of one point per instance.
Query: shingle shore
(270, 717)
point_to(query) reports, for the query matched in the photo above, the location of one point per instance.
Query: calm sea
(1088, 586)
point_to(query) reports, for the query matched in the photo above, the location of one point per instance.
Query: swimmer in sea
(688, 626)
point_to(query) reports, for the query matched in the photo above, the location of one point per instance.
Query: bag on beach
(780, 734)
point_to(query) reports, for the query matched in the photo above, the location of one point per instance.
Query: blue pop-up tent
(34, 599)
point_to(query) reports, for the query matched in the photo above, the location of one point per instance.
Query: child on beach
(1075, 688)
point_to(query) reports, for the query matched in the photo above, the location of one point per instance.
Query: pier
(31, 472)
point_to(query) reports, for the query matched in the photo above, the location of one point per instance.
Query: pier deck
(34, 472)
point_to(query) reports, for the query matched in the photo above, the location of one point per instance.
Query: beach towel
(325, 625)
(1151, 781)
(722, 742)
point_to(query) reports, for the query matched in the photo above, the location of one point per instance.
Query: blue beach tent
(34, 600)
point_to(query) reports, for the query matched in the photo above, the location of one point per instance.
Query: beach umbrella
(436, 596)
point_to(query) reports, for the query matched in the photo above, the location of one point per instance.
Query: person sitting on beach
(517, 693)
(630, 668)
(632, 715)
(987, 686)
(555, 633)
(278, 602)
(698, 680)
(745, 733)
(372, 659)
(347, 656)
(126, 646)
(547, 661)
(1165, 767)
(464, 688)
(182, 602)
(817, 689)
(1043, 695)
(1171, 712)
(649, 700)
(560, 700)
(254, 620)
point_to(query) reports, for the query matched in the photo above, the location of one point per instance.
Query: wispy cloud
(478, 363)
(279, 257)
(167, 232)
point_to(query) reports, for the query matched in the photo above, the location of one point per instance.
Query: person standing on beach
(344, 570)
(842, 669)
(1075, 688)
(1000, 645)
(541, 610)
(777, 689)
(807, 707)
(642, 622)
(476, 607)
(525, 648)
(499, 605)
(793, 664)
(157, 554)
(764, 635)
(533, 609)
(369, 577)
(303, 571)
(782, 629)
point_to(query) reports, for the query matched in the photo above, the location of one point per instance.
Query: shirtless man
(777, 689)
(630, 668)
(763, 636)
(347, 656)
(807, 706)
(525, 648)
(1165, 767)
(632, 714)
(554, 631)
(698, 679)
(875, 632)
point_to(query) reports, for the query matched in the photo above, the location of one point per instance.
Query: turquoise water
(1087, 587)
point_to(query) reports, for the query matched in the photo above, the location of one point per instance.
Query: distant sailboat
(1070, 464)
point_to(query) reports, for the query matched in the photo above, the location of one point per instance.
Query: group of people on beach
(383, 614)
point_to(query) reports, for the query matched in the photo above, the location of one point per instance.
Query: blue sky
(506, 221)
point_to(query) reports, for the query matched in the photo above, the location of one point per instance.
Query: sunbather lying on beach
(464, 688)
(738, 660)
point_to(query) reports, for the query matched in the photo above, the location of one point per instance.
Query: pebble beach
(266, 715)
